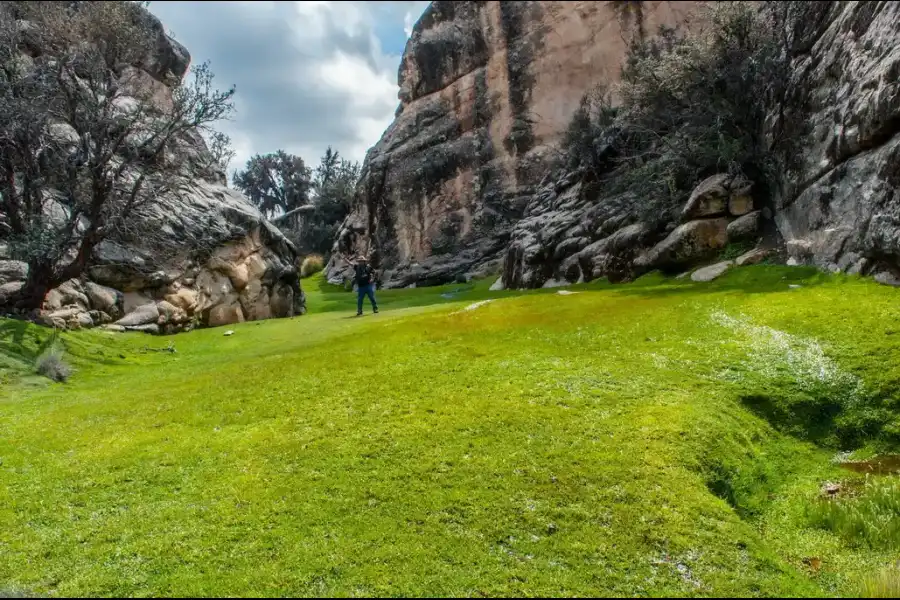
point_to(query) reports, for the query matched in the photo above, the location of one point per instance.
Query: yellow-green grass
(657, 438)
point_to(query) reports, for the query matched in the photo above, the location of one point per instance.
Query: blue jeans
(363, 291)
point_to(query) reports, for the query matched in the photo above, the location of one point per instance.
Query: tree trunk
(31, 296)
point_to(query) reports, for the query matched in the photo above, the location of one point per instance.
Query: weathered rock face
(486, 89)
(464, 182)
(840, 209)
(212, 258)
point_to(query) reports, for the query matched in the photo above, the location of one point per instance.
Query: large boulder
(225, 314)
(744, 228)
(711, 272)
(687, 244)
(12, 270)
(717, 196)
(104, 299)
(8, 290)
(753, 257)
(143, 315)
(69, 293)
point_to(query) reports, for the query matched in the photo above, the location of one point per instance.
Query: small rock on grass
(229, 332)
(831, 489)
(711, 272)
(887, 278)
(755, 256)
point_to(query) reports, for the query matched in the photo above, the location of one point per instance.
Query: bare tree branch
(86, 137)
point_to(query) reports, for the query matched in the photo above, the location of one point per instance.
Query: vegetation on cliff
(88, 138)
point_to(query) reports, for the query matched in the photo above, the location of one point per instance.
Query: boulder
(255, 300)
(711, 272)
(744, 228)
(134, 300)
(215, 288)
(185, 298)
(148, 328)
(7, 290)
(755, 256)
(99, 317)
(55, 323)
(103, 298)
(84, 320)
(65, 313)
(740, 205)
(170, 314)
(497, 286)
(225, 314)
(142, 315)
(688, 243)
(887, 278)
(717, 196)
(12, 270)
(69, 293)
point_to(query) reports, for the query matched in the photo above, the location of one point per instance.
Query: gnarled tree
(276, 183)
(86, 139)
(307, 205)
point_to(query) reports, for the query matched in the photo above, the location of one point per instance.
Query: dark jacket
(364, 275)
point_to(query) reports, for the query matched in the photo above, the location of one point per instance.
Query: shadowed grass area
(599, 443)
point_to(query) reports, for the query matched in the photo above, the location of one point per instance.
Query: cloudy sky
(308, 74)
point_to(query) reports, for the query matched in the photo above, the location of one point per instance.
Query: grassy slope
(538, 445)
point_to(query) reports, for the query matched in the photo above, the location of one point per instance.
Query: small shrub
(735, 249)
(884, 585)
(52, 365)
(311, 265)
(870, 519)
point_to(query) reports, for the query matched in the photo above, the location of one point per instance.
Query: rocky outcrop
(464, 182)
(203, 254)
(486, 90)
(839, 208)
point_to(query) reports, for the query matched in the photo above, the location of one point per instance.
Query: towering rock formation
(223, 262)
(464, 182)
(840, 208)
(486, 89)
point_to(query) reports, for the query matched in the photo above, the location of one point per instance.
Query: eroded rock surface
(465, 181)
(210, 258)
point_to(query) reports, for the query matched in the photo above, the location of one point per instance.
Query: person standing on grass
(365, 285)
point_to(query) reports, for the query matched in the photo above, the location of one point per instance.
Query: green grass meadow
(659, 438)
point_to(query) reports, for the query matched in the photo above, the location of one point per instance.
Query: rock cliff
(223, 262)
(465, 181)
(840, 208)
(486, 89)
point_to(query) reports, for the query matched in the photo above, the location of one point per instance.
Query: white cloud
(308, 74)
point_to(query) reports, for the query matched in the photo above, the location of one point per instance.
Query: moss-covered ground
(660, 438)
